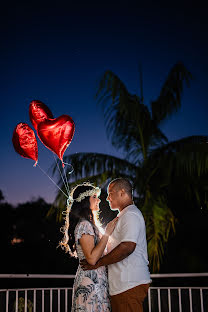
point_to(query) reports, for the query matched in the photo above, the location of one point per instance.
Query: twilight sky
(57, 53)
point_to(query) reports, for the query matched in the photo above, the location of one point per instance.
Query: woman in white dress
(83, 239)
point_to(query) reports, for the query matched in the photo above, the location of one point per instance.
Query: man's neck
(126, 205)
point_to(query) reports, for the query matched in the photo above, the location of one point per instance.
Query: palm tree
(153, 164)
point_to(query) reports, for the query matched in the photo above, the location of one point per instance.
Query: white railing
(177, 299)
(58, 299)
(36, 299)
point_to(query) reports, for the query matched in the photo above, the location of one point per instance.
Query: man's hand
(86, 266)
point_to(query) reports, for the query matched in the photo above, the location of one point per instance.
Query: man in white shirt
(127, 260)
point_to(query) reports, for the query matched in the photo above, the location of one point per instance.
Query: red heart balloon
(38, 112)
(56, 134)
(25, 142)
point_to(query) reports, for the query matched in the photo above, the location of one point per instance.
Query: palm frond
(110, 84)
(169, 100)
(128, 121)
(160, 222)
(185, 156)
(87, 164)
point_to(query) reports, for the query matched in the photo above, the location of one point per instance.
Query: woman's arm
(93, 253)
(122, 251)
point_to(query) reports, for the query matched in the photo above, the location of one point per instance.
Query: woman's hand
(111, 226)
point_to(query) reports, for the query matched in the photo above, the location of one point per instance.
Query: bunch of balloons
(55, 133)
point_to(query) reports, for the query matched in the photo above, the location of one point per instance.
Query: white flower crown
(92, 192)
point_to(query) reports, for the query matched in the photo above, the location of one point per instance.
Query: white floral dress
(90, 290)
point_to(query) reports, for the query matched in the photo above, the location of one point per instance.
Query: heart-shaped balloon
(38, 112)
(56, 134)
(25, 142)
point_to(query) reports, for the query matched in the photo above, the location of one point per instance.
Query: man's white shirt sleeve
(129, 228)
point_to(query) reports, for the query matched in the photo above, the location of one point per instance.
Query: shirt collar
(125, 210)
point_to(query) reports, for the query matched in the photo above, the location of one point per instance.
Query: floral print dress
(90, 290)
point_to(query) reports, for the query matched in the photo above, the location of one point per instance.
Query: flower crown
(87, 193)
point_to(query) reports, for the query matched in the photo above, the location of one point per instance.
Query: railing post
(16, 301)
(179, 298)
(51, 300)
(34, 300)
(201, 300)
(169, 300)
(66, 300)
(43, 303)
(7, 300)
(159, 300)
(149, 300)
(190, 300)
(58, 300)
(25, 300)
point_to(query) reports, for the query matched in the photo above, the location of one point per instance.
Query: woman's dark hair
(78, 210)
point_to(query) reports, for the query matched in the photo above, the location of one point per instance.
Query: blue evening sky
(57, 54)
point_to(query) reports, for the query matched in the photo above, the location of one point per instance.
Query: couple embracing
(113, 273)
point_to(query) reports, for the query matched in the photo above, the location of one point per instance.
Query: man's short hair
(123, 183)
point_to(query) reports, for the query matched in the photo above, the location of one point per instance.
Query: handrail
(179, 275)
(36, 276)
(165, 275)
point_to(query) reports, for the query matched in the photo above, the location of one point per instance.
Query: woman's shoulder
(84, 226)
(84, 222)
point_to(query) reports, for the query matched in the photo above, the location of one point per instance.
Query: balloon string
(65, 182)
(51, 180)
(68, 173)
(69, 165)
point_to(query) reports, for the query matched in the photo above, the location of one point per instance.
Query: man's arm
(122, 251)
